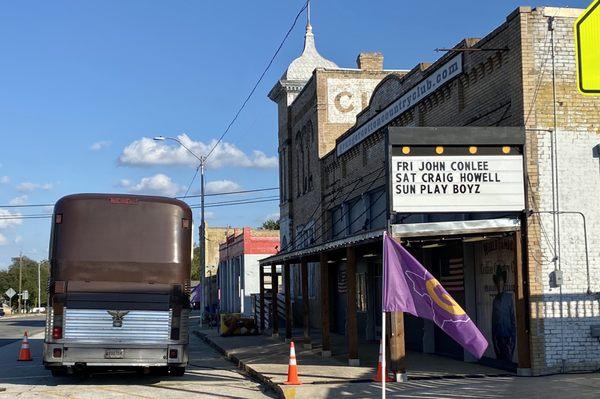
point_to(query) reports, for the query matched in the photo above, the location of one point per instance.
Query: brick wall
(562, 337)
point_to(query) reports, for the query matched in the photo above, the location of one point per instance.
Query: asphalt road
(208, 376)
(13, 328)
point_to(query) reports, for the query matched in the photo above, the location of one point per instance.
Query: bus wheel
(59, 372)
(177, 371)
(159, 371)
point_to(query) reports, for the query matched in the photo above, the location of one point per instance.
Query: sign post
(587, 35)
(10, 293)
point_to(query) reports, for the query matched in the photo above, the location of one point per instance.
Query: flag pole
(383, 351)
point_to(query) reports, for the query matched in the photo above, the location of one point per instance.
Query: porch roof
(433, 229)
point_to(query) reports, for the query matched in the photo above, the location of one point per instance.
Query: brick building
(335, 195)
(206, 292)
(238, 273)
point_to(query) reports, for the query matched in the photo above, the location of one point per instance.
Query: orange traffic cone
(292, 368)
(25, 353)
(380, 372)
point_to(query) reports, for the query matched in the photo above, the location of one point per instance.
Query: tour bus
(118, 292)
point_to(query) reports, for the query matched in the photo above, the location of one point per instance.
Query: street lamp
(202, 160)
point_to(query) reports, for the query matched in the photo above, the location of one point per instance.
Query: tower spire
(308, 26)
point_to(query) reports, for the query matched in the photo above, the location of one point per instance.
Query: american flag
(452, 279)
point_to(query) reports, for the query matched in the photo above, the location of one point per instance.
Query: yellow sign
(587, 48)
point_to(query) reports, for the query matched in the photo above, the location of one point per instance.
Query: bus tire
(177, 371)
(59, 372)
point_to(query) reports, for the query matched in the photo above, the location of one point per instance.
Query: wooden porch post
(261, 270)
(351, 323)
(324, 266)
(288, 300)
(397, 349)
(397, 343)
(305, 304)
(524, 360)
(274, 313)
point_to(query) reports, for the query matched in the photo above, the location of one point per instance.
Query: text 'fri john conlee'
(438, 177)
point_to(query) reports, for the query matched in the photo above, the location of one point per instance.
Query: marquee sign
(457, 183)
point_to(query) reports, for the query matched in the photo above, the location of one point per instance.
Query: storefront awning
(436, 229)
(293, 256)
(455, 228)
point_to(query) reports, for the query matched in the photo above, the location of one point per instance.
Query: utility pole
(39, 286)
(202, 236)
(20, 280)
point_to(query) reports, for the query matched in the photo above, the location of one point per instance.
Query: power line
(211, 205)
(180, 197)
(262, 75)
(241, 203)
(25, 206)
(359, 184)
(19, 217)
(187, 190)
(230, 192)
(270, 197)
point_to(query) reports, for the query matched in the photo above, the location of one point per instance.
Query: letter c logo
(446, 302)
(340, 106)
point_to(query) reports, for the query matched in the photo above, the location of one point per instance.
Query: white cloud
(148, 152)
(221, 186)
(28, 186)
(158, 184)
(18, 239)
(9, 219)
(20, 200)
(3, 240)
(4, 179)
(98, 145)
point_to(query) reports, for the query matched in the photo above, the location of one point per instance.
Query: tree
(270, 224)
(10, 279)
(195, 275)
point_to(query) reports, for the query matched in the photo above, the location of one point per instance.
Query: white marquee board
(423, 184)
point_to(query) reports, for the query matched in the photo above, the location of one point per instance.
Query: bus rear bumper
(58, 355)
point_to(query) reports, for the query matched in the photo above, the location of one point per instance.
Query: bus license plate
(113, 353)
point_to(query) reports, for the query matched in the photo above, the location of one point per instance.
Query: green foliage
(270, 224)
(10, 279)
(196, 264)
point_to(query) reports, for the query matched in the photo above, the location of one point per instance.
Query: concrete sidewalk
(267, 359)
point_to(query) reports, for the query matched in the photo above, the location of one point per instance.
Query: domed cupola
(300, 70)
(302, 67)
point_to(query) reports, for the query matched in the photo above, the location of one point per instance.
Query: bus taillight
(56, 332)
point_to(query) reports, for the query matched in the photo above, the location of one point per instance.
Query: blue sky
(82, 83)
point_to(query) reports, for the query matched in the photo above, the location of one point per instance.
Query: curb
(241, 365)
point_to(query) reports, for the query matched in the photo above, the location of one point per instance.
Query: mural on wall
(495, 270)
(347, 97)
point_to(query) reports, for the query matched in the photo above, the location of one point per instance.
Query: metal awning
(436, 229)
(363, 238)
(456, 228)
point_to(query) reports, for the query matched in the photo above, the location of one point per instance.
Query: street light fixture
(202, 160)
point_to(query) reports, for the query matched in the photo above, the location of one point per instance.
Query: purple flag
(409, 287)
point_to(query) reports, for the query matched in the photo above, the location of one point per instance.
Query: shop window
(377, 209)
(356, 216)
(361, 292)
(337, 223)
